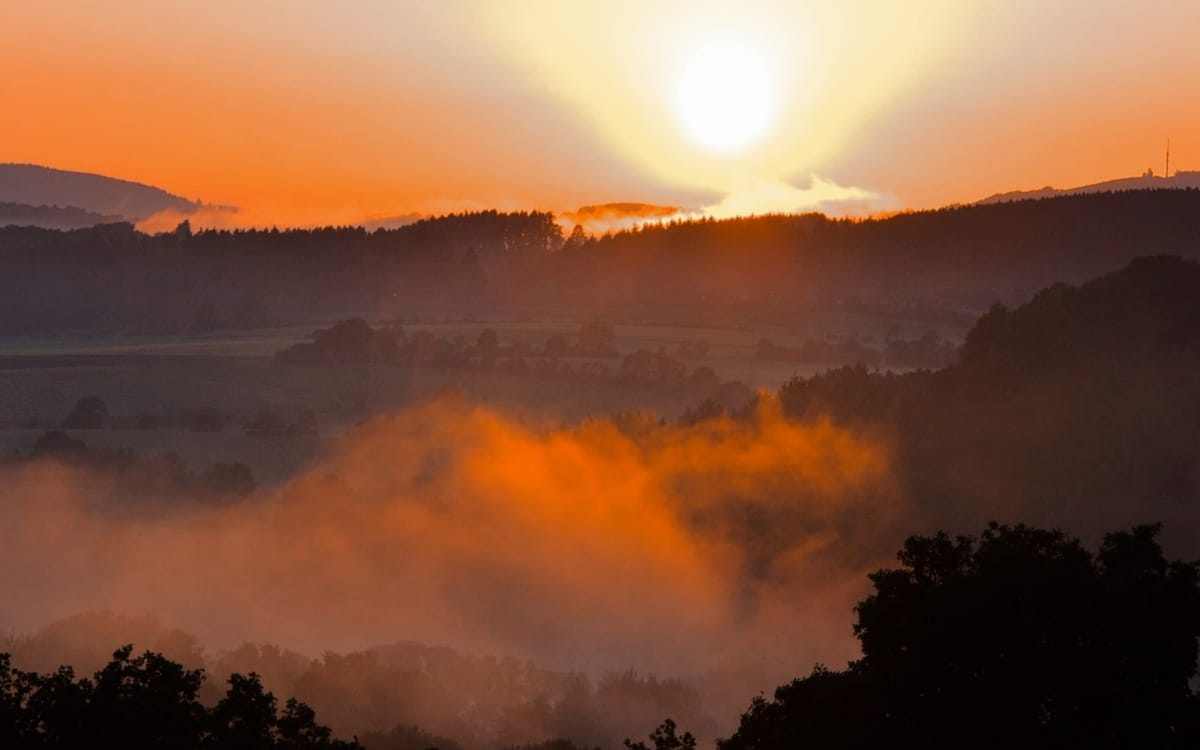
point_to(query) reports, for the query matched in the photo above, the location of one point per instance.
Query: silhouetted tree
(705, 410)
(18, 724)
(664, 737)
(577, 240)
(149, 702)
(352, 335)
(89, 413)
(245, 717)
(848, 394)
(776, 266)
(145, 701)
(350, 341)
(1020, 638)
(60, 445)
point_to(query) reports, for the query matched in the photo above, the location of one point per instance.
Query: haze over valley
(597, 376)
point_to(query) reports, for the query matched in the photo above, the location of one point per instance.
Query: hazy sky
(303, 111)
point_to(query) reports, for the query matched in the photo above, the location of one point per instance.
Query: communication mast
(1167, 169)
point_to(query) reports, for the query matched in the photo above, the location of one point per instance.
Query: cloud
(231, 217)
(821, 195)
(749, 197)
(829, 70)
(614, 217)
(202, 217)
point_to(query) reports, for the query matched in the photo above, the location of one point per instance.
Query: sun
(725, 100)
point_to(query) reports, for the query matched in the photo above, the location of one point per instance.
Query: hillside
(42, 186)
(1078, 409)
(1181, 180)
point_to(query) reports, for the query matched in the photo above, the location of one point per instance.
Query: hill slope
(110, 197)
(1079, 409)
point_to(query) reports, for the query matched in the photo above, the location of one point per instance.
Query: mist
(607, 545)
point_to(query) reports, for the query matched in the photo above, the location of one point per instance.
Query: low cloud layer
(614, 217)
(605, 545)
(821, 195)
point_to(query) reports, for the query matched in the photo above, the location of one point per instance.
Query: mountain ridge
(37, 185)
(1181, 180)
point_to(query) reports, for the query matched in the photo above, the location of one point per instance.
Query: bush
(89, 413)
(1018, 638)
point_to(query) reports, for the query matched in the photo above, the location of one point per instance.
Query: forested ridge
(112, 277)
(1079, 407)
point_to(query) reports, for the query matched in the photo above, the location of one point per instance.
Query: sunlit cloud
(816, 74)
(613, 217)
(825, 196)
(268, 216)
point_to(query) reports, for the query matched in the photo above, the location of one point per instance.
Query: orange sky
(309, 111)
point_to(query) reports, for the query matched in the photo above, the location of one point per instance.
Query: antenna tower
(1167, 170)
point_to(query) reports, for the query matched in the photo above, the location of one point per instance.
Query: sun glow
(750, 98)
(726, 98)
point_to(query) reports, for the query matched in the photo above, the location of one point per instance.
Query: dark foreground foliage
(148, 702)
(1019, 638)
(665, 737)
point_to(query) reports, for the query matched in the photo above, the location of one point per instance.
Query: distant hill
(1077, 409)
(50, 217)
(1178, 181)
(1149, 309)
(109, 197)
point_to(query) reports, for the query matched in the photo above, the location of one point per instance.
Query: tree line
(591, 356)
(1078, 408)
(149, 701)
(112, 277)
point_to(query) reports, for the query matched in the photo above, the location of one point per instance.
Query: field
(234, 373)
